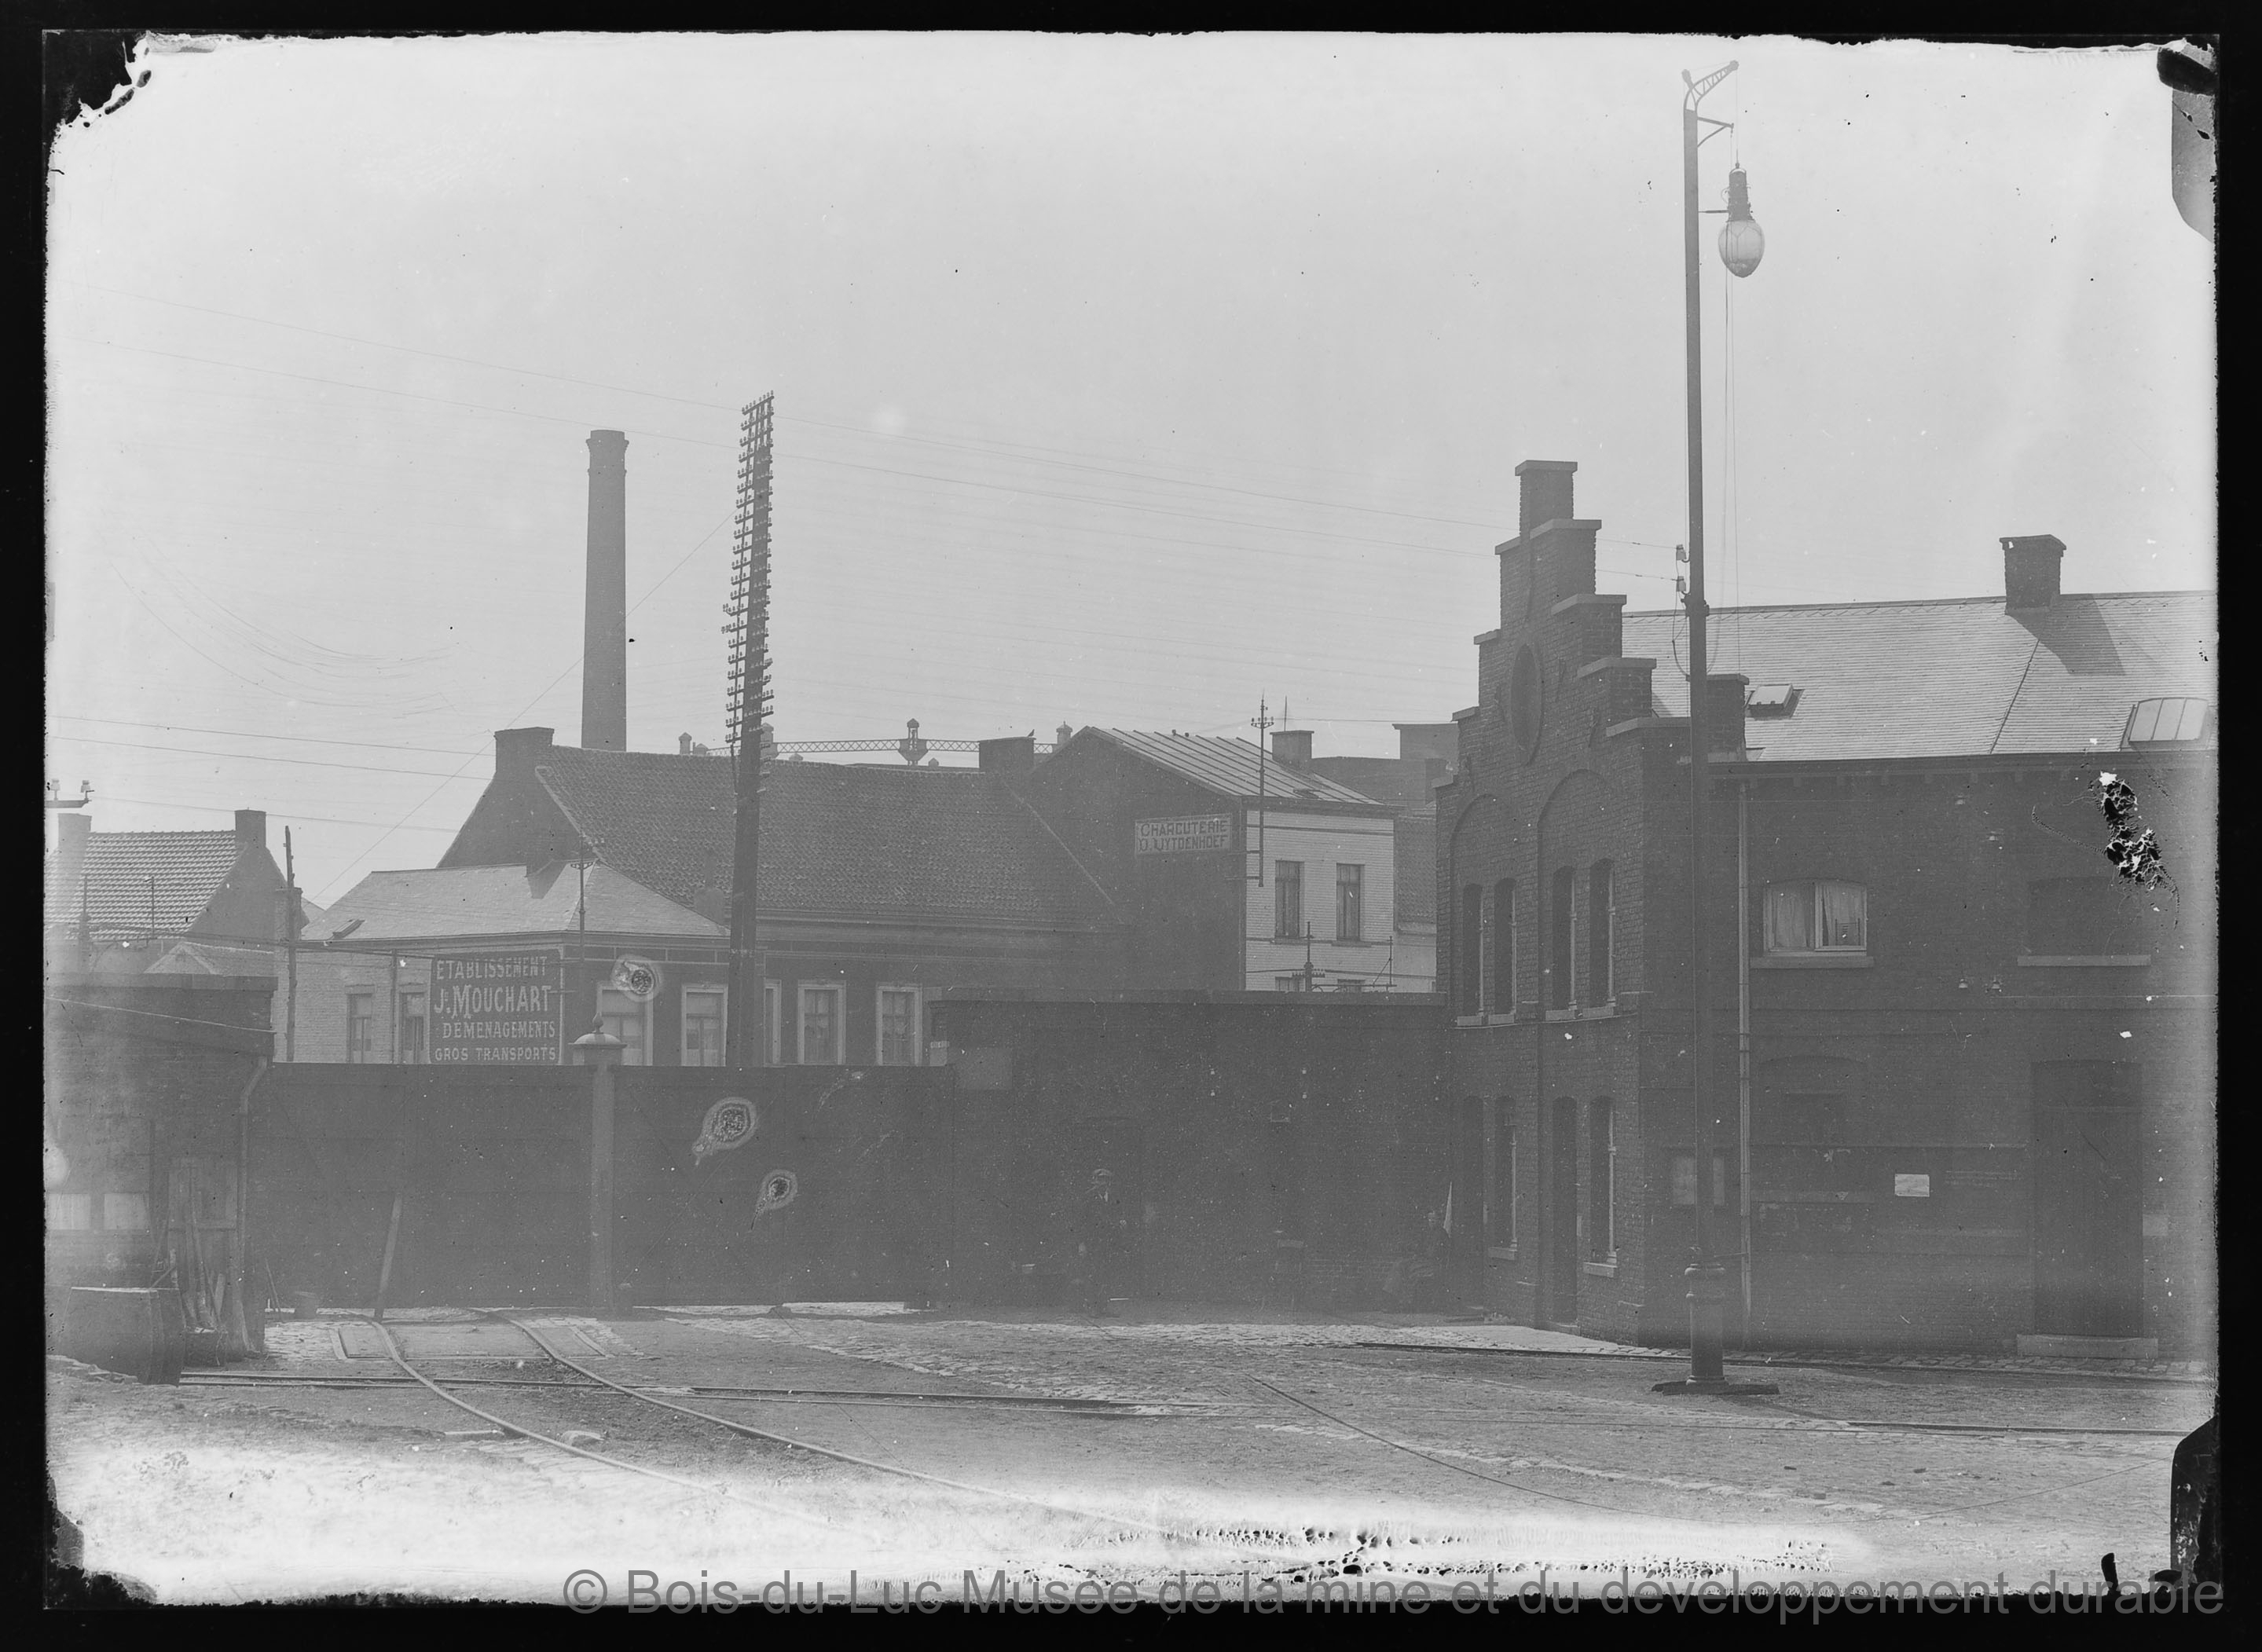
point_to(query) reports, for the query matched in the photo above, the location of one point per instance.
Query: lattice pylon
(746, 700)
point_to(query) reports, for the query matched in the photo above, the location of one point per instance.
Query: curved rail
(508, 1427)
(751, 1431)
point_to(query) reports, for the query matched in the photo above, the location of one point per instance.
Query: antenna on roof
(1261, 722)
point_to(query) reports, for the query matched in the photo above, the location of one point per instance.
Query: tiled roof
(1230, 767)
(1948, 678)
(116, 871)
(475, 900)
(853, 840)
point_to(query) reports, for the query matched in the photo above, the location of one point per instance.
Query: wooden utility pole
(290, 922)
(746, 704)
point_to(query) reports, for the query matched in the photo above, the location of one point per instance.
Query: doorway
(1563, 1214)
(2088, 1220)
(1468, 1240)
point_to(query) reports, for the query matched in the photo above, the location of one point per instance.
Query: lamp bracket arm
(1707, 120)
(1698, 88)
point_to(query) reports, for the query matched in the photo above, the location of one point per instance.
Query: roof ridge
(1904, 602)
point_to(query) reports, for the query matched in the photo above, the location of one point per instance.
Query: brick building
(1965, 1066)
(877, 887)
(118, 902)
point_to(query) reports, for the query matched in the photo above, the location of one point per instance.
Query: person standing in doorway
(1099, 1241)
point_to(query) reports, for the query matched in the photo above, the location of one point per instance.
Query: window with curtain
(1684, 1180)
(1816, 915)
(1502, 975)
(1559, 940)
(703, 1026)
(899, 1026)
(1602, 1184)
(1468, 987)
(1288, 900)
(821, 1026)
(625, 1019)
(1600, 935)
(1351, 900)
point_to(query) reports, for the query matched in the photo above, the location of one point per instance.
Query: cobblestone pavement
(1269, 1441)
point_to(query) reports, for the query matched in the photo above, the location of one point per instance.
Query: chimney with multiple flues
(605, 613)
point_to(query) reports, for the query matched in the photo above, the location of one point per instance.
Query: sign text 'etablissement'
(498, 1007)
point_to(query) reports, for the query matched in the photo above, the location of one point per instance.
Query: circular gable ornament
(1523, 702)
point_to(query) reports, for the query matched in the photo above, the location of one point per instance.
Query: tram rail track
(593, 1381)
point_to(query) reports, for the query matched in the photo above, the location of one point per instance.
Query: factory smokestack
(605, 613)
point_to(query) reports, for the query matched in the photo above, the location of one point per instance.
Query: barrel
(140, 1331)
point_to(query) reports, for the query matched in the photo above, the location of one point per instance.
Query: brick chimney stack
(250, 830)
(2030, 570)
(1292, 748)
(1544, 493)
(605, 613)
(72, 833)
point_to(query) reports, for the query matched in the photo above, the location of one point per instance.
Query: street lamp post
(1740, 247)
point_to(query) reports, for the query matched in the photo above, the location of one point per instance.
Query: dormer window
(1821, 915)
(2163, 722)
(1771, 699)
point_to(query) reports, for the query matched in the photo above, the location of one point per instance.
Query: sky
(1120, 381)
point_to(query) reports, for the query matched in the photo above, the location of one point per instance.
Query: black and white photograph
(957, 824)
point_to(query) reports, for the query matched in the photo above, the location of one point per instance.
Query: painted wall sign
(490, 1007)
(1912, 1186)
(1187, 835)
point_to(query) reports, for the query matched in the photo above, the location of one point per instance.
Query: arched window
(1602, 987)
(1504, 1206)
(1559, 939)
(1503, 948)
(1468, 984)
(1601, 1183)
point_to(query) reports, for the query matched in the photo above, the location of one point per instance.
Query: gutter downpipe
(1744, 1042)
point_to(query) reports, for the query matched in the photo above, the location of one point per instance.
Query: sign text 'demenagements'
(1187, 835)
(498, 1007)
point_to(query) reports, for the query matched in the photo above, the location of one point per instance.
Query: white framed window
(1287, 983)
(1819, 914)
(70, 1213)
(897, 1032)
(361, 1017)
(627, 1021)
(125, 1212)
(818, 1027)
(773, 1024)
(703, 1026)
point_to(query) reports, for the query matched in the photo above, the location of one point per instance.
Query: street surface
(1224, 1442)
